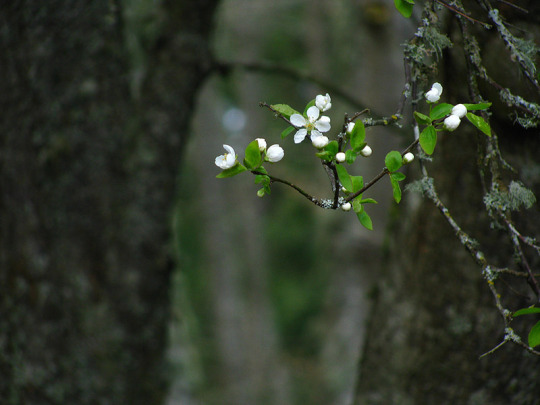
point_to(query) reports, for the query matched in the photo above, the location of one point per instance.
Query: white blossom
(350, 127)
(227, 160)
(262, 144)
(312, 125)
(275, 153)
(320, 141)
(366, 151)
(408, 157)
(340, 157)
(323, 103)
(451, 122)
(460, 110)
(434, 94)
(346, 207)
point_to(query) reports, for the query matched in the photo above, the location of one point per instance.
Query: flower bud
(260, 193)
(346, 207)
(451, 122)
(408, 157)
(340, 157)
(460, 110)
(350, 127)
(434, 94)
(366, 151)
(275, 153)
(262, 144)
(320, 141)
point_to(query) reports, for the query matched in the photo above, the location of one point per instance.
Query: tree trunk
(434, 314)
(87, 177)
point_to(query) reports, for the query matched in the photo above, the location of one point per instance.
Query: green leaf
(410, 1)
(344, 177)
(393, 161)
(253, 157)
(233, 171)
(479, 123)
(357, 183)
(440, 110)
(395, 178)
(422, 119)
(534, 335)
(287, 131)
(428, 139)
(479, 106)
(358, 135)
(327, 156)
(332, 148)
(365, 220)
(526, 311)
(404, 7)
(284, 110)
(350, 156)
(368, 201)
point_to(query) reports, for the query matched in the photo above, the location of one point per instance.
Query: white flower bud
(340, 157)
(460, 110)
(451, 122)
(346, 207)
(323, 103)
(320, 141)
(408, 157)
(262, 144)
(350, 127)
(434, 94)
(275, 153)
(366, 151)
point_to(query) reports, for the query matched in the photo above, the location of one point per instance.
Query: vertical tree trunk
(87, 178)
(434, 314)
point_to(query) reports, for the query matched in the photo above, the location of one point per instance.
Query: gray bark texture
(434, 313)
(87, 176)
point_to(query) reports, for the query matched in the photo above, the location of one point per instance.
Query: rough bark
(87, 178)
(434, 314)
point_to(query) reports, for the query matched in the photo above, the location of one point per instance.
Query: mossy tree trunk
(88, 166)
(435, 314)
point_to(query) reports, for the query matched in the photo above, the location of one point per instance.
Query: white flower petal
(262, 144)
(313, 113)
(323, 124)
(438, 87)
(300, 135)
(315, 134)
(451, 122)
(298, 121)
(319, 141)
(433, 96)
(229, 150)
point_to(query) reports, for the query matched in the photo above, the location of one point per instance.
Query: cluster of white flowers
(458, 112)
(452, 121)
(313, 125)
(273, 154)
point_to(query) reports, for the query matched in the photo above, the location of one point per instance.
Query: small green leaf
(344, 177)
(479, 106)
(284, 110)
(325, 155)
(357, 183)
(358, 135)
(428, 139)
(479, 123)
(233, 171)
(350, 156)
(422, 119)
(410, 1)
(287, 131)
(368, 201)
(332, 148)
(404, 7)
(526, 311)
(534, 335)
(365, 220)
(440, 110)
(395, 178)
(253, 155)
(393, 161)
